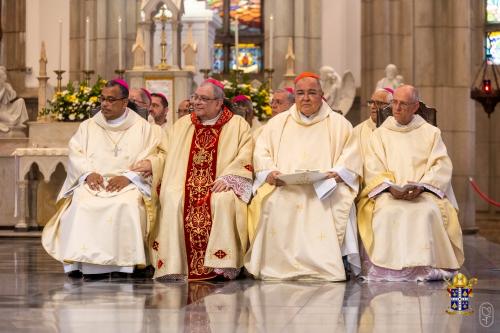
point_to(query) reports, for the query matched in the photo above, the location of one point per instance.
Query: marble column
(435, 56)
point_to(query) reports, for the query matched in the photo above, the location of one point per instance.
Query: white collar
(118, 121)
(212, 121)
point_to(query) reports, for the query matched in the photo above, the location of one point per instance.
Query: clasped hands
(272, 178)
(410, 194)
(115, 184)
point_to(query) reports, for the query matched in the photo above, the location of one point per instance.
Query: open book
(302, 177)
(403, 188)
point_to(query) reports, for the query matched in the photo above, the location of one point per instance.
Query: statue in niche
(339, 92)
(392, 79)
(12, 111)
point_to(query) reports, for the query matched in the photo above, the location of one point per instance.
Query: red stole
(200, 174)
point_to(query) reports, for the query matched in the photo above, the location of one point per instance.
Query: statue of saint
(392, 79)
(339, 92)
(12, 111)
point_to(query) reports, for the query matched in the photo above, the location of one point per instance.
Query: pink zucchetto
(121, 83)
(215, 83)
(147, 93)
(240, 98)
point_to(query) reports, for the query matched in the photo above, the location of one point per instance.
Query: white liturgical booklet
(324, 188)
(402, 188)
(301, 177)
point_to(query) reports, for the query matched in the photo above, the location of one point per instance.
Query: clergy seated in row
(281, 101)
(362, 133)
(142, 99)
(184, 108)
(106, 206)
(302, 231)
(158, 110)
(407, 214)
(206, 185)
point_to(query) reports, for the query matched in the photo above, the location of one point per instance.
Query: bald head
(405, 103)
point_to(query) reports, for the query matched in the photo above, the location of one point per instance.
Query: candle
(207, 51)
(236, 42)
(87, 44)
(120, 62)
(271, 37)
(60, 45)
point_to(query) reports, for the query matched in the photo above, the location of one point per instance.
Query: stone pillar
(13, 45)
(32, 199)
(435, 56)
(148, 33)
(176, 37)
(21, 224)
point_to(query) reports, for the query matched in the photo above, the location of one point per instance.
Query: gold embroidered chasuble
(295, 235)
(99, 227)
(423, 232)
(199, 230)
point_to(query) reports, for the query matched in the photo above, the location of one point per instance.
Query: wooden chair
(426, 112)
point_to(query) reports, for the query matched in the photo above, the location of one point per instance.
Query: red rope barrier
(482, 195)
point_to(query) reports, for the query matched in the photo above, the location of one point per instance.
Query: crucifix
(116, 150)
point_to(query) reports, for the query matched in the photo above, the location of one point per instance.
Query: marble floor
(35, 296)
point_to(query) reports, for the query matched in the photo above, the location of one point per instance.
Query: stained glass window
(217, 6)
(218, 65)
(249, 13)
(250, 58)
(493, 47)
(493, 11)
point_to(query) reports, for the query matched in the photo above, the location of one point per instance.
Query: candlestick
(120, 60)
(269, 73)
(86, 76)
(60, 46)
(271, 42)
(207, 50)
(120, 73)
(205, 72)
(87, 43)
(59, 79)
(237, 42)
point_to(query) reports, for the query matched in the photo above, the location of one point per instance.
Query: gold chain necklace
(115, 143)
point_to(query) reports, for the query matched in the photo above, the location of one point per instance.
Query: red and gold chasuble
(200, 175)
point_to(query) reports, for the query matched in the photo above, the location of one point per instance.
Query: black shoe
(143, 273)
(75, 274)
(95, 277)
(119, 275)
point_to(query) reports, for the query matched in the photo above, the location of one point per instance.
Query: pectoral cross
(116, 150)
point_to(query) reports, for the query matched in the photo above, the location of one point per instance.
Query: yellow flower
(267, 109)
(93, 99)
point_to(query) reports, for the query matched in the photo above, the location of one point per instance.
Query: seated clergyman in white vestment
(363, 132)
(407, 214)
(206, 185)
(301, 231)
(106, 203)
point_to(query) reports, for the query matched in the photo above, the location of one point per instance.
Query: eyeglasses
(403, 105)
(310, 93)
(110, 100)
(203, 99)
(378, 104)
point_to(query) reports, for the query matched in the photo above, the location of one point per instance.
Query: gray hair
(218, 91)
(388, 94)
(290, 97)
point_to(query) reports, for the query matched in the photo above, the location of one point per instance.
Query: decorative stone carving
(392, 79)
(338, 92)
(190, 48)
(138, 50)
(12, 111)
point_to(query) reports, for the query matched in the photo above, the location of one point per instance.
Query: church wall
(42, 25)
(430, 42)
(341, 36)
(13, 53)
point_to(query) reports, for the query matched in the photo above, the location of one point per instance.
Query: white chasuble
(99, 227)
(199, 231)
(295, 235)
(424, 232)
(361, 135)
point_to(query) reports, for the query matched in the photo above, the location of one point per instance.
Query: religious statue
(339, 92)
(392, 79)
(12, 111)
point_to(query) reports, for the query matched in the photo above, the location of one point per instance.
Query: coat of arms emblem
(460, 291)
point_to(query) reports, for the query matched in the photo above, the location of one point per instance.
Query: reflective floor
(35, 296)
